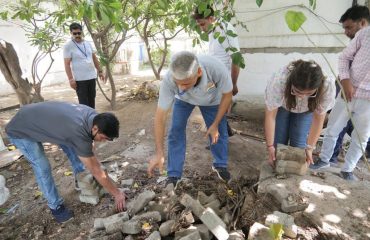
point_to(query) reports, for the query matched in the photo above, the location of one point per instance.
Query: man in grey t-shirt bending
(72, 126)
(193, 81)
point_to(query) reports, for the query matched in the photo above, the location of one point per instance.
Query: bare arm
(92, 164)
(314, 134)
(159, 132)
(222, 109)
(235, 69)
(67, 67)
(270, 121)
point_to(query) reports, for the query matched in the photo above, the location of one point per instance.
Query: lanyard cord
(83, 52)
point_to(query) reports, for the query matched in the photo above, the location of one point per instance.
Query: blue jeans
(177, 137)
(292, 128)
(34, 153)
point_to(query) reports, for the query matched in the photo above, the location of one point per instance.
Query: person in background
(354, 65)
(220, 50)
(353, 20)
(81, 66)
(297, 98)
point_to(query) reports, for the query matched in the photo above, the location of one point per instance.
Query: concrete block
(89, 199)
(214, 224)
(85, 177)
(127, 182)
(131, 227)
(290, 229)
(140, 202)
(162, 208)
(266, 172)
(292, 167)
(91, 191)
(292, 204)
(187, 218)
(237, 235)
(166, 228)
(114, 223)
(203, 231)
(278, 191)
(99, 223)
(259, 232)
(204, 199)
(114, 236)
(149, 216)
(289, 203)
(184, 232)
(193, 205)
(192, 236)
(154, 236)
(129, 237)
(215, 205)
(290, 160)
(4, 191)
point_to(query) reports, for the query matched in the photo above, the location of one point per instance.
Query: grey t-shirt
(82, 62)
(55, 122)
(214, 82)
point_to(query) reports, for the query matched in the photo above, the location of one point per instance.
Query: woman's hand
(271, 155)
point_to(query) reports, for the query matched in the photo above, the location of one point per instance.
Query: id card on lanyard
(84, 52)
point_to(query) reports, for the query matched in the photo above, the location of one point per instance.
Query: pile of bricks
(151, 216)
(90, 189)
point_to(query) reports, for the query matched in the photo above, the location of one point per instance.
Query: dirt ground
(26, 216)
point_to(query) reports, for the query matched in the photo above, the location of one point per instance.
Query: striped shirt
(354, 63)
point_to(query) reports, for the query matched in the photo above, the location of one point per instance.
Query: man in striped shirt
(354, 74)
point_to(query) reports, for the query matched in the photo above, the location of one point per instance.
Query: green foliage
(259, 2)
(294, 20)
(313, 4)
(223, 14)
(157, 54)
(276, 231)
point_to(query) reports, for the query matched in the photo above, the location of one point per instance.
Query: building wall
(13, 33)
(269, 44)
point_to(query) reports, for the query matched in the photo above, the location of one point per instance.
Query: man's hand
(235, 90)
(156, 162)
(348, 89)
(213, 133)
(271, 156)
(309, 158)
(72, 83)
(120, 201)
(102, 78)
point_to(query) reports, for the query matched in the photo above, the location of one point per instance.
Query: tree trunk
(9, 66)
(113, 87)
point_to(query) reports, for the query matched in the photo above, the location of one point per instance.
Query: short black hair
(356, 13)
(75, 26)
(108, 124)
(198, 14)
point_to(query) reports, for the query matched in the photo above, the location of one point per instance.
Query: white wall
(12, 33)
(267, 29)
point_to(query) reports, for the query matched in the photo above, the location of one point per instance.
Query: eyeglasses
(76, 33)
(295, 92)
(104, 137)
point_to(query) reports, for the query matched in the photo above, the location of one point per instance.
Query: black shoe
(62, 214)
(348, 176)
(222, 173)
(230, 132)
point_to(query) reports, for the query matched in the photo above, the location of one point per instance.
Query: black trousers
(86, 92)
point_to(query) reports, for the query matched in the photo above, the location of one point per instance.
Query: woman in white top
(297, 99)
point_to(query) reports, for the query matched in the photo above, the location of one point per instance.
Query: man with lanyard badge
(80, 63)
